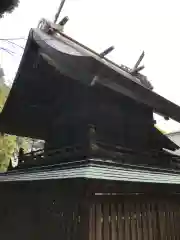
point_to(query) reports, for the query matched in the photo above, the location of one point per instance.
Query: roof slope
(36, 87)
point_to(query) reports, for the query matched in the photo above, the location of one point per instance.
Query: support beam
(106, 52)
(59, 10)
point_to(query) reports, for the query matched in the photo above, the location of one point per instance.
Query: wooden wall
(134, 218)
(30, 211)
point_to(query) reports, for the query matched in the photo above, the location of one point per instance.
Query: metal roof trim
(95, 172)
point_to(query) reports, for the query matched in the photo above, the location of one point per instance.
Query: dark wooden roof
(36, 87)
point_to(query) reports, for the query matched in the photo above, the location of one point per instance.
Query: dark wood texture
(69, 211)
(136, 218)
(60, 112)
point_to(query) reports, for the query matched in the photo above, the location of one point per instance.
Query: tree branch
(7, 6)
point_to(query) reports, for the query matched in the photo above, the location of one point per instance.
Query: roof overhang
(27, 109)
(96, 170)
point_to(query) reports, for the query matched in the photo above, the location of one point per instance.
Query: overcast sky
(131, 26)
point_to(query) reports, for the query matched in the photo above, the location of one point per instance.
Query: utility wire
(7, 50)
(10, 41)
(25, 39)
(17, 45)
(13, 39)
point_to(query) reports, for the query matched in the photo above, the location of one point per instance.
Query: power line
(10, 41)
(17, 45)
(13, 39)
(7, 50)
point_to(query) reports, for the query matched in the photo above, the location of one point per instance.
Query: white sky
(131, 26)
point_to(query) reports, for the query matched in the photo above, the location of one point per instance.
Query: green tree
(7, 146)
(7, 6)
(8, 143)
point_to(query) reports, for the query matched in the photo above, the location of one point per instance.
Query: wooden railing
(116, 154)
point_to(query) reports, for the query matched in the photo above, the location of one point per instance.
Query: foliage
(23, 142)
(8, 143)
(7, 6)
(7, 146)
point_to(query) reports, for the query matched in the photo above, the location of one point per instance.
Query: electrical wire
(7, 50)
(12, 39)
(17, 45)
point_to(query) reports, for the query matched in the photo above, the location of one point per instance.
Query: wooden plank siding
(134, 219)
(35, 213)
